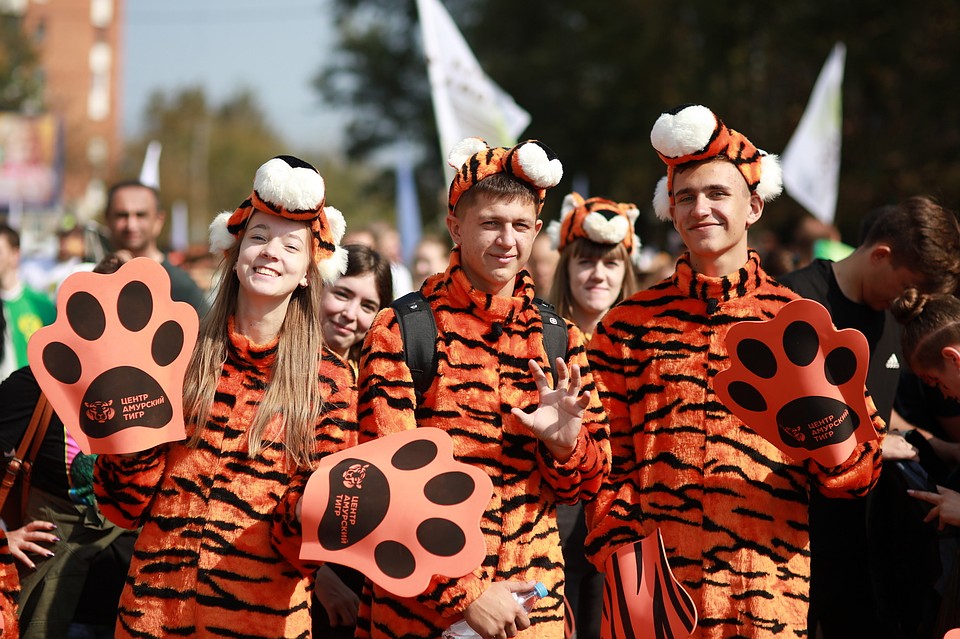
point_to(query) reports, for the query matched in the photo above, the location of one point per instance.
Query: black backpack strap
(554, 334)
(419, 333)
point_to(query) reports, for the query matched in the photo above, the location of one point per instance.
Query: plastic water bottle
(462, 630)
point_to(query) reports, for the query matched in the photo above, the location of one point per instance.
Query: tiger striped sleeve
(386, 395)
(125, 485)
(9, 590)
(614, 516)
(858, 475)
(581, 476)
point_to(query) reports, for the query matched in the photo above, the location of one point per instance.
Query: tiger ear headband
(596, 219)
(692, 133)
(530, 161)
(289, 188)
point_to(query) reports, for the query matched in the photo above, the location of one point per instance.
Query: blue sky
(273, 47)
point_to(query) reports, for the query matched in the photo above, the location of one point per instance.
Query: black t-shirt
(18, 397)
(817, 282)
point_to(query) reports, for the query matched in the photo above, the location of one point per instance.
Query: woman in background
(598, 252)
(348, 306)
(347, 309)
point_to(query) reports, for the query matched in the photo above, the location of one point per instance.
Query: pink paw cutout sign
(112, 364)
(399, 509)
(799, 383)
(641, 597)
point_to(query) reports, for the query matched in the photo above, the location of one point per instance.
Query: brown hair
(298, 352)
(130, 184)
(930, 324)
(581, 247)
(923, 237)
(499, 187)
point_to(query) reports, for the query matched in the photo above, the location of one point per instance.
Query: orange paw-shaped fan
(112, 364)
(399, 509)
(799, 383)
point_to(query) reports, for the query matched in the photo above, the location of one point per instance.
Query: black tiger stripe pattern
(218, 555)
(484, 343)
(732, 508)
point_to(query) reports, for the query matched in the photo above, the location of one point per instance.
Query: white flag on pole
(466, 102)
(811, 160)
(150, 170)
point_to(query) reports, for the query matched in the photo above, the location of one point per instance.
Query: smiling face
(713, 210)
(495, 238)
(595, 282)
(274, 256)
(347, 309)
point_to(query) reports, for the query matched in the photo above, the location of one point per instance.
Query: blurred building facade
(79, 43)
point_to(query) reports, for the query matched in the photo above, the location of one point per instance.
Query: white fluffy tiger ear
(553, 232)
(661, 200)
(337, 223)
(631, 211)
(771, 177)
(220, 238)
(464, 150)
(687, 131)
(570, 203)
(536, 163)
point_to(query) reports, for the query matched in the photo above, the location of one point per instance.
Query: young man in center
(541, 445)
(732, 508)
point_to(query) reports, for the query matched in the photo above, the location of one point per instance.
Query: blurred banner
(811, 160)
(409, 224)
(466, 102)
(30, 161)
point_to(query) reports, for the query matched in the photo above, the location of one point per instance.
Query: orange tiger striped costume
(9, 590)
(483, 345)
(218, 555)
(731, 506)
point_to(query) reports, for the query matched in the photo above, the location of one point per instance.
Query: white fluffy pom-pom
(661, 200)
(603, 231)
(220, 238)
(336, 222)
(334, 266)
(538, 169)
(553, 232)
(294, 188)
(632, 213)
(771, 177)
(464, 150)
(683, 133)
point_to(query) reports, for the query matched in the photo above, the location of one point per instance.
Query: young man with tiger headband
(731, 507)
(540, 445)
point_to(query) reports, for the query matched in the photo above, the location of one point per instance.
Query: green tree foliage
(211, 153)
(19, 64)
(594, 77)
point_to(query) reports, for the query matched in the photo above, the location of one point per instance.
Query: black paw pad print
(799, 382)
(400, 509)
(114, 360)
